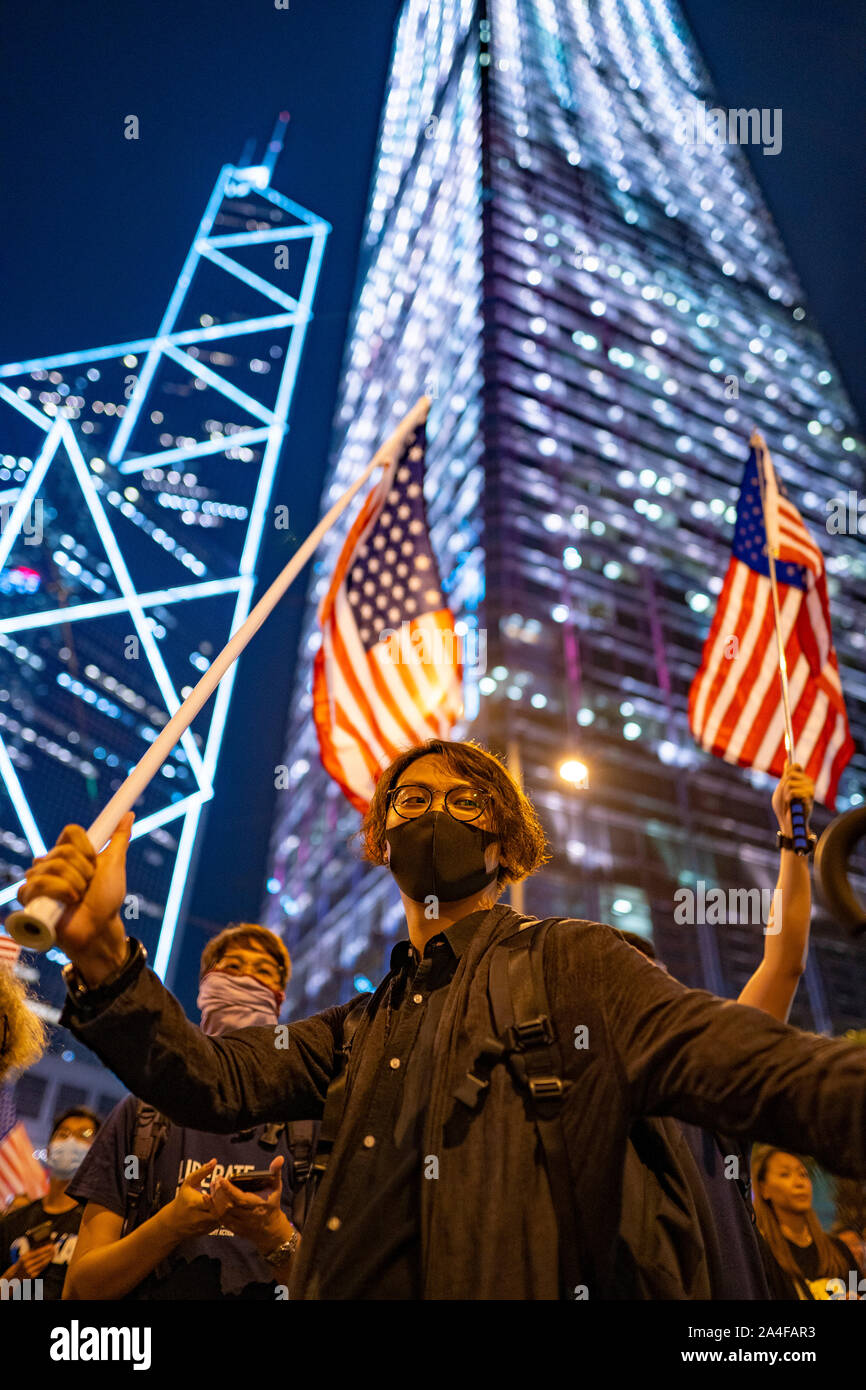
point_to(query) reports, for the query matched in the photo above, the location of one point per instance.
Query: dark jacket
(488, 1228)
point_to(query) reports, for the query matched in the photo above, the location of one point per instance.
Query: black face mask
(435, 855)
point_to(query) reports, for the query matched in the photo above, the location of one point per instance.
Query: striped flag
(735, 703)
(19, 1170)
(9, 950)
(388, 673)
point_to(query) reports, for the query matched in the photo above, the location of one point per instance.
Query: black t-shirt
(217, 1265)
(14, 1241)
(815, 1278)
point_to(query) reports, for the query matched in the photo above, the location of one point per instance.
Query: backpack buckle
(546, 1087)
(534, 1032)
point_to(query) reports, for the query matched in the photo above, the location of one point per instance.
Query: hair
(26, 1033)
(246, 934)
(522, 842)
(832, 1261)
(81, 1111)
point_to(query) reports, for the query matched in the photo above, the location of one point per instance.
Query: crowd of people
(256, 1160)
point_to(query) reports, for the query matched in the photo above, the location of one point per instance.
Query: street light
(574, 772)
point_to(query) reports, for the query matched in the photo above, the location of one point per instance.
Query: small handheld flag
(735, 710)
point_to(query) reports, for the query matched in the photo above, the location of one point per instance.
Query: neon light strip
(251, 238)
(173, 811)
(247, 276)
(127, 588)
(37, 417)
(103, 608)
(19, 801)
(213, 446)
(12, 529)
(127, 424)
(219, 383)
(137, 345)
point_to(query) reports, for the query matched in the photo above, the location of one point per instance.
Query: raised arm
(786, 934)
(246, 1077)
(722, 1065)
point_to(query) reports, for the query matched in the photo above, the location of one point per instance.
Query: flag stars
(416, 454)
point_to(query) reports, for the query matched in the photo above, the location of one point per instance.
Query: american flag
(9, 950)
(388, 673)
(19, 1170)
(735, 703)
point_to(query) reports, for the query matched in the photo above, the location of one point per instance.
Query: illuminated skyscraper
(602, 308)
(136, 484)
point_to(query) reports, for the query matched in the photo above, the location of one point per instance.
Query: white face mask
(65, 1156)
(235, 1001)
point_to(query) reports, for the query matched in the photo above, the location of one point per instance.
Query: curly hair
(522, 842)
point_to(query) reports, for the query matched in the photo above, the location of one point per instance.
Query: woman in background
(805, 1262)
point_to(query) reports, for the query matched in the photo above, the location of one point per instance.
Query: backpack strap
(525, 1029)
(335, 1097)
(148, 1136)
(299, 1136)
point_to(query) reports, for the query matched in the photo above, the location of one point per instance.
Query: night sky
(95, 227)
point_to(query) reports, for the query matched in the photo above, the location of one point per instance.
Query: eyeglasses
(260, 969)
(463, 803)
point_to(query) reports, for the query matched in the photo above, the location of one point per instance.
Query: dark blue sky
(94, 229)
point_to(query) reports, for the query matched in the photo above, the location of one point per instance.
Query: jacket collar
(457, 937)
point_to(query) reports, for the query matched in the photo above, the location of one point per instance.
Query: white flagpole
(34, 926)
(771, 531)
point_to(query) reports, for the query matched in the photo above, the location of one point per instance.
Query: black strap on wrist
(88, 1001)
(786, 842)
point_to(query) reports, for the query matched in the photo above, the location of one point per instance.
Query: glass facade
(602, 310)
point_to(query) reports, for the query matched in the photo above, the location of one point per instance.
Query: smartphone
(39, 1235)
(261, 1181)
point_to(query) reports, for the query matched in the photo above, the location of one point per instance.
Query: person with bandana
(39, 1239)
(195, 1235)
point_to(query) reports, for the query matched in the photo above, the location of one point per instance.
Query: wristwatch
(786, 842)
(88, 999)
(282, 1252)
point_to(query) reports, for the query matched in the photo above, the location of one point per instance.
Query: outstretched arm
(786, 934)
(243, 1078)
(718, 1064)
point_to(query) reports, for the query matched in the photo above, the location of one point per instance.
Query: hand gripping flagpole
(35, 926)
(799, 823)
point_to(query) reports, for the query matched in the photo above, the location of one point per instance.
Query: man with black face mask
(437, 1185)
